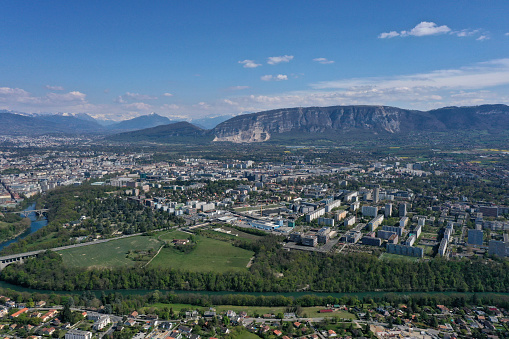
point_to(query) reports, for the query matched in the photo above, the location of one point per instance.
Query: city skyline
(195, 59)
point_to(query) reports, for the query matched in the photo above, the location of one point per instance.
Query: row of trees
(123, 303)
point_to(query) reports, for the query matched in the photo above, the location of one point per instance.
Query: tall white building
(77, 334)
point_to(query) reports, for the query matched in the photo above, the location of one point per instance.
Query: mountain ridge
(330, 122)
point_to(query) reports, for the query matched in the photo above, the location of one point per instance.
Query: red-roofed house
(17, 314)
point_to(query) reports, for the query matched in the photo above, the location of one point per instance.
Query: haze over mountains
(310, 122)
(19, 123)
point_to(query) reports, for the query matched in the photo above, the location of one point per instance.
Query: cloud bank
(427, 28)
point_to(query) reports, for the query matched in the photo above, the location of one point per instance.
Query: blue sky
(189, 59)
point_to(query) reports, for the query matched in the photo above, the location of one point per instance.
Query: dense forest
(275, 270)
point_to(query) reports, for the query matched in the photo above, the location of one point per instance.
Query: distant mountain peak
(141, 122)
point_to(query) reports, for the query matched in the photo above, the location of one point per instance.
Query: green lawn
(241, 234)
(209, 255)
(110, 254)
(391, 256)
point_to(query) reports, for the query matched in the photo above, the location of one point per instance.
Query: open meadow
(109, 254)
(209, 255)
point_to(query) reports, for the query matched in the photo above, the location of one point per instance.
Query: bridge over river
(25, 213)
(20, 257)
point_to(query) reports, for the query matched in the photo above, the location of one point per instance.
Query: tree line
(274, 270)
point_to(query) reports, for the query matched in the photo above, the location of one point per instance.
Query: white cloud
(426, 28)
(482, 38)
(507, 34)
(278, 77)
(390, 34)
(323, 61)
(167, 94)
(54, 88)
(466, 32)
(278, 59)
(138, 106)
(487, 74)
(71, 96)
(20, 96)
(7, 92)
(229, 102)
(249, 63)
(170, 107)
(119, 100)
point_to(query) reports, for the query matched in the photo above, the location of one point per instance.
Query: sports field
(109, 254)
(209, 255)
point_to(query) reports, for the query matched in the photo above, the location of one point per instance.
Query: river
(36, 224)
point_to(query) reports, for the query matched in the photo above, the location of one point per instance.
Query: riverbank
(12, 230)
(34, 224)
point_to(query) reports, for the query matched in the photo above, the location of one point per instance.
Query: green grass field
(209, 255)
(241, 234)
(391, 256)
(110, 254)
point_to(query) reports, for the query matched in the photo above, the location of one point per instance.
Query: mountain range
(330, 123)
(19, 123)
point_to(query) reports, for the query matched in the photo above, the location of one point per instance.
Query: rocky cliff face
(261, 126)
(336, 120)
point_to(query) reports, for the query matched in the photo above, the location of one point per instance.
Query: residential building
(77, 334)
(375, 222)
(395, 229)
(388, 210)
(498, 248)
(475, 237)
(350, 221)
(405, 250)
(369, 211)
(402, 210)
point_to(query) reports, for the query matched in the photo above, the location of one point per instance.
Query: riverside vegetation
(274, 270)
(12, 225)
